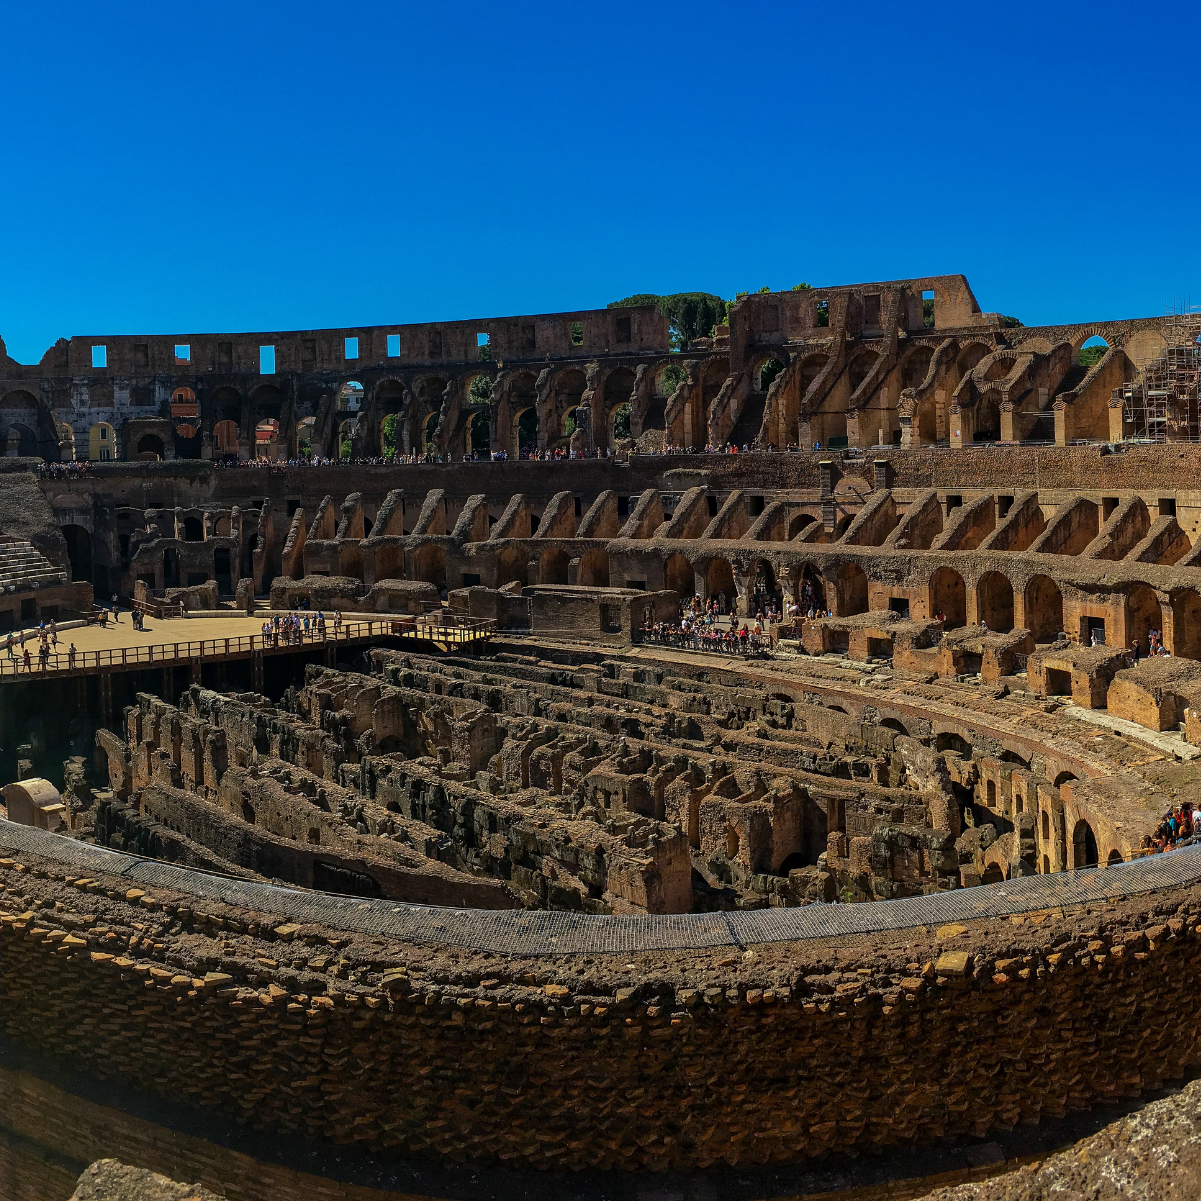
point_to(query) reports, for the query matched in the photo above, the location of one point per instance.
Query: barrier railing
(438, 629)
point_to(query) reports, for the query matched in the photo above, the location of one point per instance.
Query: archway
(187, 441)
(150, 448)
(763, 587)
(719, 583)
(1044, 608)
(993, 874)
(225, 435)
(948, 596)
(193, 529)
(350, 397)
(553, 566)
(995, 602)
(266, 438)
(1115, 856)
(431, 564)
(811, 591)
(1186, 611)
(479, 438)
(768, 370)
(512, 566)
(526, 437)
(429, 427)
(678, 576)
(1143, 614)
(1092, 351)
(988, 420)
(26, 440)
(79, 552)
(594, 569)
(346, 438)
(620, 428)
(1084, 845)
(852, 590)
(619, 384)
(1063, 778)
(304, 435)
(799, 523)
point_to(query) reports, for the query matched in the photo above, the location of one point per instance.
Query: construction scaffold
(1161, 404)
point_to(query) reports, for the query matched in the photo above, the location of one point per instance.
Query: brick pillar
(1117, 429)
(1061, 424)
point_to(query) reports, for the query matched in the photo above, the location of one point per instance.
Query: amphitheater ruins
(408, 821)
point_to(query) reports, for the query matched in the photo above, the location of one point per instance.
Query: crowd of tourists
(63, 471)
(16, 647)
(1180, 825)
(284, 629)
(702, 625)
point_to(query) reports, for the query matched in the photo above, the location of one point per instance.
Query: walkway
(197, 640)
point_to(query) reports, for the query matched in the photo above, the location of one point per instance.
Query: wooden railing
(440, 629)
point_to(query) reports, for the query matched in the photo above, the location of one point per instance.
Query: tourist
(27, 659)
(8, 646)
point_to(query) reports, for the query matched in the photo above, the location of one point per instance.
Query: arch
(1115, 856)
(350, 396)
(948, 596)
(719, 582)
(193, 529)
(1091, 351)
(619, 384)
(26, 440)
(102, 442)
(1044, 608)
(1084, 845)
(525, 431)
(678, 576)
(970, 355)
(1046, 865)
(1046, 826)
(763, 585)
(1063, 778)
(479, 434)
(851, 590)
(512, 566)
(1143, 614)
(987, 424)
(797, 523)
(892, 723)
(225, 437)
(916, 366)
(79, 551)
(227, 404)
(993, 874)
(948, 740)
(304, 433)
(19, 399)
(765, 372)
(429, 427)
(150, 448)
(553, 566)
(266, 438)
(811, 589)
(430, 564)
(860, 367)
(1186, 624)
(994, 602)
(594, 569)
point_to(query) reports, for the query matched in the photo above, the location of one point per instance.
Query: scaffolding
(1163, 402)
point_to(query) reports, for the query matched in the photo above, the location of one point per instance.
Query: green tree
(389, 432)
(690, 315)
(802, 287)
(1090, 356)
(673, 376)
(481, 390)
(344, 449)
(1010, 323)
(621, 422)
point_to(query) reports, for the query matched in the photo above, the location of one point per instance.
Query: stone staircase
(22, 567)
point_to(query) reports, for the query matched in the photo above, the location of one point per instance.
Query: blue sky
(193, 167)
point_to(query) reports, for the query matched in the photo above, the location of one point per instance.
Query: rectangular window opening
(529, 337)
(899, 605)
(471, 579)
(266, 360)
(225, 354)
(1108, 504)
(99, 356)
(712, 505)
(140, 354)
(823, 312)
(954, 502)
(579, 506)
(483, 347)
(756, 505)
(393, 346)
(577, 333)
(928, 309)
(352, 348)
(1004, 504)
(623, 329)
(871, 310)
(623, 506)
(435, 344)
(183, 354)
(1167, 507)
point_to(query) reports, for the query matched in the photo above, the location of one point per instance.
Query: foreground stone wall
(688, 1057)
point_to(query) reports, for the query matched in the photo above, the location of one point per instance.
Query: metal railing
(439, 629)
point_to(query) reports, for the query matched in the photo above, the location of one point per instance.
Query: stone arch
(79, 551)
(915, 366)
(552, 566)
(987, 418)
(526, 430)
(948, 595)
(150, 448)
(594, 569)
(1186, 623)
(619, 388)
(193, 529)
(512, 566)
(851, 594)
(1063, 778)
(969, 355)
(798, 522)
(1115, 856)
(1143, 614)
(678, 576)
(860, 367)
(719, 581)
(567, 391)
(430, 564)
(1044, 608)
(994, 602)
(1084, 845)
(993, 874)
